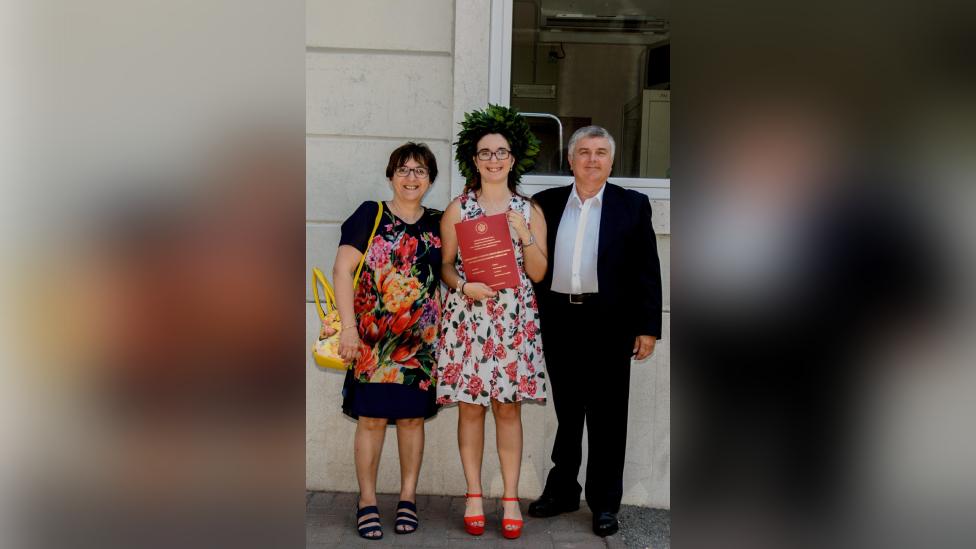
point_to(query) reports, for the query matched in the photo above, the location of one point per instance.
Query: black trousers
(590, 384)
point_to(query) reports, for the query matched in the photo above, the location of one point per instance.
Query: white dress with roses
(491, 349)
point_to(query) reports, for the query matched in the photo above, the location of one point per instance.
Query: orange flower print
(430, 334)
(411, 363)
(387, 374)
(404, 320)
(366, 363)
(404, 352)
(372, 329)
(399, 291)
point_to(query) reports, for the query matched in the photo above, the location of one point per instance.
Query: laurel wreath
(501, 120)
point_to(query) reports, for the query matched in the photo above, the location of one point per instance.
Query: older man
(601, 306)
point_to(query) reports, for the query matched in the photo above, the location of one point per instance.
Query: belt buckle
(579, 296)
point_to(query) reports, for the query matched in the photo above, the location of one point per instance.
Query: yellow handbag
(326, 349)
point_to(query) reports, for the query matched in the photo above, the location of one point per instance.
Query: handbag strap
(318, 277)
(369, 243)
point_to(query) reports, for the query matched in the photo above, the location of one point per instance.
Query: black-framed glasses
(404, 171)
(500, 154)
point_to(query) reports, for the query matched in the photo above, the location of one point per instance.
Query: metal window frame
(499, 92)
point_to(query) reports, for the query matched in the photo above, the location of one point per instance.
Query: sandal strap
(406, 520)
(367, 510)
(510, 499)
(408, 505)
(472, 495)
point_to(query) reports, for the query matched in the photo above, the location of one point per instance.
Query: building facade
(382, 72)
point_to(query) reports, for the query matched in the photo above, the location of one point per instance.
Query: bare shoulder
(453, 211)
(537, 210)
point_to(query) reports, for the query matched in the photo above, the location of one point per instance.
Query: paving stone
(594, 544)
(346, 501)
(319, 499)
(323, 533)
(472, 541)
(566, 536)
(433, 505)
(575, 522)
(529, 542)
(418, 539)
(353, 541)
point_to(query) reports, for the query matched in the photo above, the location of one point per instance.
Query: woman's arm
(533, 238)
(346, 262)
(449, 249)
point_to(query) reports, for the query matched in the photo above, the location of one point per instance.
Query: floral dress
(397, 304)
(491, 349)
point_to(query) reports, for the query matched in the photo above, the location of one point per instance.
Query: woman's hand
(478, 290)
(349, 344)
(327, 331)
(517, 222)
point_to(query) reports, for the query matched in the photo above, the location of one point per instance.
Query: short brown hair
(417, 151)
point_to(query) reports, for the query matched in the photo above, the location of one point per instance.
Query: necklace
(496, 208)
(399, 213)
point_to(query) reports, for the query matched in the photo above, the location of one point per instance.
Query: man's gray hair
(591, 131)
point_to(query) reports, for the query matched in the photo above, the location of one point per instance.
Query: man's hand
(644, 346)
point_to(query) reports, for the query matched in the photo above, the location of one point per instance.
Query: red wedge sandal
(474, 525)
(515, 532)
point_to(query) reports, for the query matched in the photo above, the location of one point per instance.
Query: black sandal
(367, 526)
(405, 519)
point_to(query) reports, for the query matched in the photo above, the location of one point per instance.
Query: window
(575, 63)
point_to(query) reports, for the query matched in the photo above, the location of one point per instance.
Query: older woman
(491, 352)
(390, 329)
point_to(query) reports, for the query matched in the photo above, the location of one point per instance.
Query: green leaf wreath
(501, 120)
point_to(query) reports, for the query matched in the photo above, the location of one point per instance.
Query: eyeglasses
(500, 154)
(404, 171)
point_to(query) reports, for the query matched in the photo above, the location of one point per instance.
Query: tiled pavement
(330, 522)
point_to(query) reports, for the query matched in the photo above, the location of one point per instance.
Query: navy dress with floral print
(397, 304)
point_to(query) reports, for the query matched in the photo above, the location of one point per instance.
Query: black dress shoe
(548, 506)
(605, 524)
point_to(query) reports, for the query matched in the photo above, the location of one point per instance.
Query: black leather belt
(580, 299)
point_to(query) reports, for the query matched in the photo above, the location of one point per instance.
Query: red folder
(487, 253)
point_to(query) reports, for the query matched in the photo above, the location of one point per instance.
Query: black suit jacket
(628, 268)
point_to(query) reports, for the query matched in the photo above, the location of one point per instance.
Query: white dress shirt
(577, 243)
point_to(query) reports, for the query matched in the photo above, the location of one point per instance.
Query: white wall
(381, 72)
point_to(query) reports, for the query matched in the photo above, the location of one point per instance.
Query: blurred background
(822, 188)
(153, 160)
